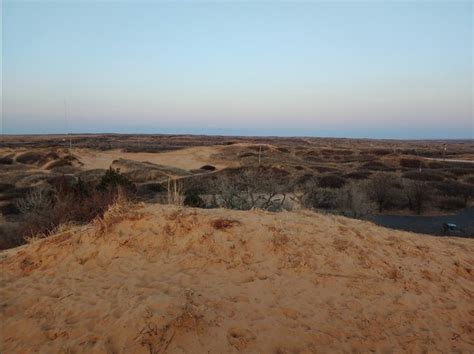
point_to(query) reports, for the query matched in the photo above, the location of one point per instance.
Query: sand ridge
(161, 279)
(187, 158)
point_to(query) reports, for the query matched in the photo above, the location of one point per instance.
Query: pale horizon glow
(343, 69)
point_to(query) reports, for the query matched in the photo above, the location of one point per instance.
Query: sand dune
(161, 279)
(188, 158)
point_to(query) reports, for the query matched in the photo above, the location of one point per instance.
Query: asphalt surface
(430, 225)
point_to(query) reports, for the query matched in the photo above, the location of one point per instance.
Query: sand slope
(188, 158)
(161, 279)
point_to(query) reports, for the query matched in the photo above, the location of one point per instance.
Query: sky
(372, 69)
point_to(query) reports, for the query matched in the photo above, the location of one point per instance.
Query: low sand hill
(187, 159)
(158, 279)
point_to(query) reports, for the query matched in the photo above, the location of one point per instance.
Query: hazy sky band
(364, 69)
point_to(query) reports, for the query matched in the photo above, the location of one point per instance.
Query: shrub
(375, 166)
(451, 203)
(328, 152)
(382, 190)
(247, 188)
(411, 163)
(353, 200)
(321, 198)
(422, 176)
(10, 236)
(70, 201)
(459, 171)
(358, 175)
(9, 209)
(112, 179)
(331, 181)
(470, 180)
(454, 189)
(418, 194)
(285, 150)
(59, 163)
(322, 169)
(208, 168)
(6, 160)
(304, 180)
(5, 187)
(436, 165)
(379, 152)
(193, 199)
(29, 157)
(248, 154)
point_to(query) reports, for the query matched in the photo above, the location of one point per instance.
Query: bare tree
(381, 190)
(354, 199)
(418, 194)
(251, 188)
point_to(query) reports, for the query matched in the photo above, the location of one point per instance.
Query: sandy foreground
(157, 279)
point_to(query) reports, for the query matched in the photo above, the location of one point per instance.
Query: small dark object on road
(450, 229)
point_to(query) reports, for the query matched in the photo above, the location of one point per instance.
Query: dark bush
(358, 174)
(4, 187)
(147, 191)
(331, 181)
(345, 152)
(68, 202)
(208, 168)
(6, 160)
(305, 179)
(193, 199)
(454, 189)
(320, 198)
(411, 163)
(375, 166)
(383, 189)
(247, 154)
(451, 203)
(9, 209)
(29, 157)
(285, 150)
(436, 165)
(59, 163)
(459, 171)
(259, 148)
(418, 194)
(422, 176)
(114, 179)
(322, 169)
(328, 152)
(380, 152)
(10, 236)
(470, 180)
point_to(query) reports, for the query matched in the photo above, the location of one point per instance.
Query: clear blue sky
(356, 69)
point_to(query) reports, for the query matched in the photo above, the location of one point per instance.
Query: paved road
(431, 225)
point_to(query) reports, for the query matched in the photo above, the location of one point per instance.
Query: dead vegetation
(223, 224)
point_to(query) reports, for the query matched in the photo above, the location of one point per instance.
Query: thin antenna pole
(67, 127)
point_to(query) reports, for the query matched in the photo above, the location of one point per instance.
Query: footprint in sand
(290, 313)
(240, 338)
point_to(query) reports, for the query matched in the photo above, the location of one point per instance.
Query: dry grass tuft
(394, 274)
(222, 224)
(116, 212)
(279, 237)
(175, 192)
